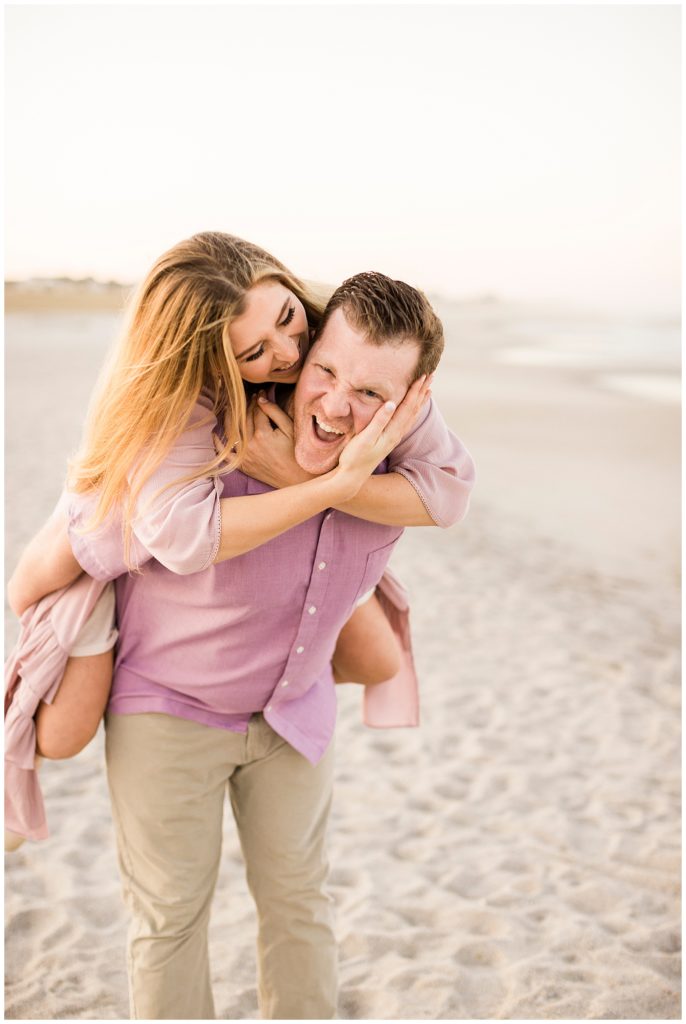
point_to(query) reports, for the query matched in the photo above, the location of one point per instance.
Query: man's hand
(268, 455)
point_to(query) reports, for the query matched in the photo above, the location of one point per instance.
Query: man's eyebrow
(379, 387)
(382, 387)
(278, 321)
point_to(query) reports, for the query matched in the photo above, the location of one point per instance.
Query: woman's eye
(289, 316)
(371, 394)
(255, 355)
(325, 369)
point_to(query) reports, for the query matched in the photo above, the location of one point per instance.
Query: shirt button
(285, 682)
(299, 650)
(268, 707)
(312, 609)
(322, 565)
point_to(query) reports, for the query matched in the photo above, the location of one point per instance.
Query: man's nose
(335, 404)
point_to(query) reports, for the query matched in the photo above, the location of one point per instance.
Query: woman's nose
(286, 350)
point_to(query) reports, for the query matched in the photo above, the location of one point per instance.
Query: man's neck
(284, 396)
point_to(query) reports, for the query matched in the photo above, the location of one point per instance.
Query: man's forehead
(361, 362)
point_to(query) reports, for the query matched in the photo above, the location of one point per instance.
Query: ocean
(641, 358)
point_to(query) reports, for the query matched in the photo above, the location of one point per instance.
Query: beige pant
(167, 779)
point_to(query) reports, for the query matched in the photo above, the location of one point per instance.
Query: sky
(527, 151)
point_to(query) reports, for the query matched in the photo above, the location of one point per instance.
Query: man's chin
(316, 463)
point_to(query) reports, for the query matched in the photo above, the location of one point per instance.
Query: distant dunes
(86, 293)
(65, 293)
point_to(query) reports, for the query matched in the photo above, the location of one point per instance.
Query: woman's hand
(384, 431)
(268, 455)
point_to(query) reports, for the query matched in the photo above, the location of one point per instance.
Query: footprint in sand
(480, 954)
(29, 922)
(594, 899)
(481, 923)
(667, 940)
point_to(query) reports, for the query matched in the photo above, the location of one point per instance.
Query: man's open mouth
(325, 432)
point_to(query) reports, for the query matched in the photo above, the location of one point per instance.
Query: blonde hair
(174, 344)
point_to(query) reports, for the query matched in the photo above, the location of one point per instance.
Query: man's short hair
(389, 313)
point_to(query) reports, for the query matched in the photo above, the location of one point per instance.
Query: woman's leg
(367, 650)
(64, 727)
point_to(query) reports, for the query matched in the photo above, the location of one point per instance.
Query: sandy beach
(518, 855)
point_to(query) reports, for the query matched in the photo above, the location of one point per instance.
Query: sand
(518, 855)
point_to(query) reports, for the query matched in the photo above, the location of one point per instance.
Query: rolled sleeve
(179, 524)
(99, 552)
(183, 531)
(439, 467)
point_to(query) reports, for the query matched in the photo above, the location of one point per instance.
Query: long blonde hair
(174, 344)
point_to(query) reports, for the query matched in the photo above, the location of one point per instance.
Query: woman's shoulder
(206, 405)
(202, 422)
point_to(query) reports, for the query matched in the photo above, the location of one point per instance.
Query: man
(224, 679)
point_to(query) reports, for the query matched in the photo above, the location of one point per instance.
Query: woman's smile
(270, 337)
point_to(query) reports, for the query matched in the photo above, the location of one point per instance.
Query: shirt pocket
(377, 561)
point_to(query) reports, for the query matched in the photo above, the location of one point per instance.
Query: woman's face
(271, 337)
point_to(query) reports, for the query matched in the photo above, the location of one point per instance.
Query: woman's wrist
(298, 476)
(344, 482)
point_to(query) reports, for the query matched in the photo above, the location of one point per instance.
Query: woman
(215, 317)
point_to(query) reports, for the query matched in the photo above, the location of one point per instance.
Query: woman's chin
(286, 378)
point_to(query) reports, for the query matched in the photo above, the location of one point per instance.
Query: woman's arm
(386, 498)
(437, 466)
(46, 564)
(428, 480)
(188, 526)
(390, 499)
(252, 520)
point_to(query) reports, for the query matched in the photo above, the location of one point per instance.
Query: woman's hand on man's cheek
(269, 455)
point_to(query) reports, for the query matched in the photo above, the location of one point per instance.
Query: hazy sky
(529, 151)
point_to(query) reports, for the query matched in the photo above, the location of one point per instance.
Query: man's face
(343, 383)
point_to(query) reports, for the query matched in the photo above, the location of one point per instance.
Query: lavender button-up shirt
(255, 632)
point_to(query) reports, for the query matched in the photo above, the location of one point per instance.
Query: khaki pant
(167, 779)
